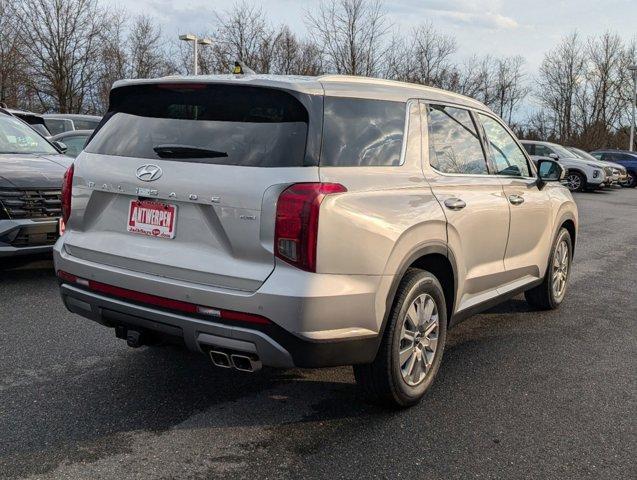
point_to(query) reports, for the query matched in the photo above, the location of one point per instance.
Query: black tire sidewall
(421, 283)
(562, 234)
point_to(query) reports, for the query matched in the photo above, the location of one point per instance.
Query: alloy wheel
(574, 182)
(418, 339)
(560, 272)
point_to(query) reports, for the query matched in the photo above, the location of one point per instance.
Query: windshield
(562, 152)
(582, 154)
(17, 137)
(220, 124)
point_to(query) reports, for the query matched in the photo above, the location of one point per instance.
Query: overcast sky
(500, 27)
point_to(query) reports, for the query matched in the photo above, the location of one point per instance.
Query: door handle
(516, 199)
(454, 203)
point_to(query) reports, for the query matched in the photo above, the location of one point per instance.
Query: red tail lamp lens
(297, 218)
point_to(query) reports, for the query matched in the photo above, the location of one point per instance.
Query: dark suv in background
(624, 158)
(31, 173)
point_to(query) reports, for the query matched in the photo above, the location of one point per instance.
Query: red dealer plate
(152, 218)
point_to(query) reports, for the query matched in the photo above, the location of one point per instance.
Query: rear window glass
(360, 132)
(85, 124)
(220, 124)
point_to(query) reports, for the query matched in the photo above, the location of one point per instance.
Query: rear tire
(411, 349)
(551, 292)
(631, 182)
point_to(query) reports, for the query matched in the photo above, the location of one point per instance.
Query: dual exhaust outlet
(237, 360)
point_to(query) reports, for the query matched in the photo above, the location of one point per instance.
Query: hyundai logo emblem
(148, 173)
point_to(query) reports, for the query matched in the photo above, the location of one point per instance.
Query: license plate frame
(152, 218)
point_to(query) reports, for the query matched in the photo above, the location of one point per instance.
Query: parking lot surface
(520, 394)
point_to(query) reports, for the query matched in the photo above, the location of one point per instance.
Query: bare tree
(425, 59)
(11, 56)
(63, 47)
(351, 35)
(242, 34)
(145, 43)
(508, 86)
(294, 57)
(287, 52)
(113, 57)
(560, 81)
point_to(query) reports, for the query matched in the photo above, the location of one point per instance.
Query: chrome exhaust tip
(244, 363)
(220, 359)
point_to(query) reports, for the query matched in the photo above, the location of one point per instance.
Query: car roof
(615, 150)
(329, 85)
(15, 111)
(71, 116)
(73, 133)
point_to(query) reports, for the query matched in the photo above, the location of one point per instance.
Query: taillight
(67, 187)
(297, 217)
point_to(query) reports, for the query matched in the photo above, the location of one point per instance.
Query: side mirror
(554, 156)
(550, 171)
(60, 146)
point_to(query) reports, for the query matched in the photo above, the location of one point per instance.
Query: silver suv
(308, 222)
(581, 174)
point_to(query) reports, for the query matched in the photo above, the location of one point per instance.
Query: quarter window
(454, 144)
(505, 153)
(359, 132)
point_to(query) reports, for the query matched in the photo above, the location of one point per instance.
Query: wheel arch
(437, 259)
(569, 225)
(568, 221)
(577, 170)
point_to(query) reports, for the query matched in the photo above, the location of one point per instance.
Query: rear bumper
(27, 236)
(272, 345)
(318, 320)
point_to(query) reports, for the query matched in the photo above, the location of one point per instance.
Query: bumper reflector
(163, 302)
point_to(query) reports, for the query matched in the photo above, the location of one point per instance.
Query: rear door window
(360, 132)
(454, 143)
(543, 151)
(529, 147)
(56, 125)
(205, 123)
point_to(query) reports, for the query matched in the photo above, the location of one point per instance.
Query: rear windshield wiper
(186, 151)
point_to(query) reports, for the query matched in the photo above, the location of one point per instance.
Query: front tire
(411, 349)
(551, 292)
(631, 182)
(575, 181)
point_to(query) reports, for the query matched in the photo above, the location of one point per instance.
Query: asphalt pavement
(520, 394)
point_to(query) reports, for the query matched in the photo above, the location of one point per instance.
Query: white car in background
(580, 174)
(620, 175)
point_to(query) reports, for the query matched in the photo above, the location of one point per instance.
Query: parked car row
(588, 171)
